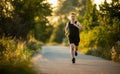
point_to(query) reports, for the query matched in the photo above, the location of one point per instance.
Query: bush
(115, 52)
(13, 51)
(100, 52)
(15, 57)
(33, 45)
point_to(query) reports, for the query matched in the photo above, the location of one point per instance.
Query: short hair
(73, 13)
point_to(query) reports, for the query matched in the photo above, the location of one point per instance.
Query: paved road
(56, 60)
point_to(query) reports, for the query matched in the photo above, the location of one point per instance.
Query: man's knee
(72, 46)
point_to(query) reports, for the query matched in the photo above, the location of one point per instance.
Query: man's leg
(72, 50)
(72, 46)
(76, 49)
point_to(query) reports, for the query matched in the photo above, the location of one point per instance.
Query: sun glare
(53, 2)
(101, 1)
(98, 2)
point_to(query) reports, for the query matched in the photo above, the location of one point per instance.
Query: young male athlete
(72, 31)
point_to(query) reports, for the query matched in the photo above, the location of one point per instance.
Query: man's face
(72, 16)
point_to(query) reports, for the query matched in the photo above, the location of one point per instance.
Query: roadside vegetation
(101, 35)
(23, 29)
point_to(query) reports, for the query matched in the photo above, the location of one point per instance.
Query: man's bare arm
(79, 26)
(66, 29)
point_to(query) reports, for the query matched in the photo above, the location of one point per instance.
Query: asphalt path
(56, 60)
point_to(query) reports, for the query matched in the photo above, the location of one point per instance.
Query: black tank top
(73, 31)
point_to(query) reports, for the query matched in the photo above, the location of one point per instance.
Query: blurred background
(26, 25)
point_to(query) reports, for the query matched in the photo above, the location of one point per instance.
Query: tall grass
(15, 56)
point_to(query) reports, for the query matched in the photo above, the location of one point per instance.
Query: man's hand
(79, 26)
(66, 33)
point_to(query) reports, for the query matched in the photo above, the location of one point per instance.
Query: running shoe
(73, 60)
(76, 53)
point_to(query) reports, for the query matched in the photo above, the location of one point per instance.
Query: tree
(91, 16)
(58, 33)
(19, 21)
(102, 34)
(110, 20)
(67, 6)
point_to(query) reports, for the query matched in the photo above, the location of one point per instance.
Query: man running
(72, 30)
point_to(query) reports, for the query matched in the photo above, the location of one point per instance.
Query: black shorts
(74, 40)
